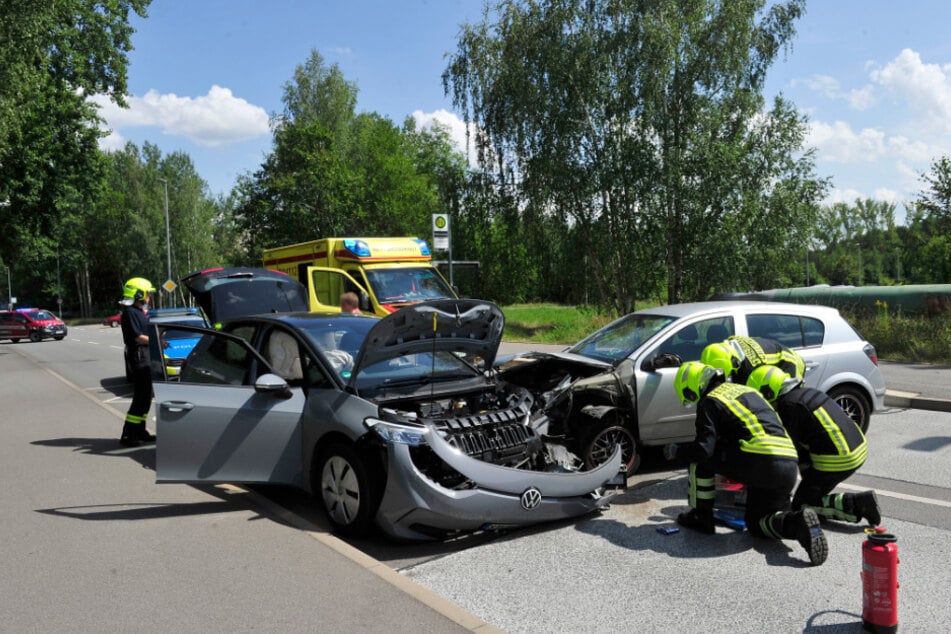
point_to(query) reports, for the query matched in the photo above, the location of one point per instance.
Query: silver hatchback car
(621, 377)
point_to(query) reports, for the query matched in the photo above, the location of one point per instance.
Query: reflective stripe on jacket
(756, 429)
(820, 427)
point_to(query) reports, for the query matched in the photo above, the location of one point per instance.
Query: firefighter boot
(131, 435)
(810, 536)
(698, 520)
(865, 505)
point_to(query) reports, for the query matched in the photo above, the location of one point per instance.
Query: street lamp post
(59, 289)
(168, 233)
(9, 289)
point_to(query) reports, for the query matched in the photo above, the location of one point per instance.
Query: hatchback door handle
(177, 406)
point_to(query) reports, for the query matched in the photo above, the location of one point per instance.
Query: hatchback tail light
(869, 351)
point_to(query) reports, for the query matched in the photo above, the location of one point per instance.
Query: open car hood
(469, 326)
(227, 293)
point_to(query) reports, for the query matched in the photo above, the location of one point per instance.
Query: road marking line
(900, 496)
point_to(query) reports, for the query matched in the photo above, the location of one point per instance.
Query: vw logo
(531, 498)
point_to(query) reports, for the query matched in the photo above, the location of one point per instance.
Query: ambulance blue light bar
(423, 247)
(357, 247)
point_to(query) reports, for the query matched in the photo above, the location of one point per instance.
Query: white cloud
(886, 194)
(114, 141)
(455, 125)
(924, 88)
(862, 99)
(212, 120)
(916, 151)
(829, 87)
(839, 143)
(848, 196)
(824, 85)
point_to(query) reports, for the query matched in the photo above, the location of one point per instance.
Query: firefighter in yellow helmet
(757, 351)
(831, 446)
(136, 295)
(740, 436)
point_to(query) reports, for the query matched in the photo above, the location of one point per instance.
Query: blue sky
(873, 76)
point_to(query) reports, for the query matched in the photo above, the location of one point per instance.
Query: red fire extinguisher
(880, 583)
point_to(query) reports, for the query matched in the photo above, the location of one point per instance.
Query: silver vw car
(398, 422)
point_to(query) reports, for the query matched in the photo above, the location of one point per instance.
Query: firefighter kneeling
(831, 446)
(741, 437)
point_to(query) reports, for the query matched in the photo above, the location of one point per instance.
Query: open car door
(227, 417)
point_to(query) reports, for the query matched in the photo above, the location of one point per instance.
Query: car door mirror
(661, 360)
(272, 384)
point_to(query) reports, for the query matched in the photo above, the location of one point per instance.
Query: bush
(907, 339)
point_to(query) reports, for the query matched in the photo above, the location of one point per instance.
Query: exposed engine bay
(536, 414)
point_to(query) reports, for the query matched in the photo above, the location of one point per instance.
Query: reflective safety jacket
(761, 351)
(822, 430)
(734, 416)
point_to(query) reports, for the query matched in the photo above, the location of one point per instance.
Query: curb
(914, 400)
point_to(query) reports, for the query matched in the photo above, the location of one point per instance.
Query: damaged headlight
(412, 435)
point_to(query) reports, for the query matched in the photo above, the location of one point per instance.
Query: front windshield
(341, 340)
(407, 285)
(618, 340)
(412, 371)
(43, 315)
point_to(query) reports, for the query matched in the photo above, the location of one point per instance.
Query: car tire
(17, 340)
(58, 338)
(854, 403)
(113, 324)
(35, 337)
(601, 445)
(346, 489)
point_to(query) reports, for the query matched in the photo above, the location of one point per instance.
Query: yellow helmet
(771, 382)
(723, 357)
(137, 288)
(692, 380)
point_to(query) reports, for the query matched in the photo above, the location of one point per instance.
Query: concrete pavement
(92, 544)
(917, 386)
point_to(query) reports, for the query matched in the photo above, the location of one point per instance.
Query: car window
(792, 331)
(813, 331)
(618, 340)
(688, 342)
(218, 360)
(412, 371)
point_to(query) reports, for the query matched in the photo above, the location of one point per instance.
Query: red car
(31, 323)
(112, 320)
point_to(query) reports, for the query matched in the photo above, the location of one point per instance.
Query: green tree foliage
(123, 233)
(53, 55)
(334, 172)
(928, 247)
(638, 126)
(857, 244)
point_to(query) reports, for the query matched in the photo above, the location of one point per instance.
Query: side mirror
(365, 304)
(272, 384)
(661, 360)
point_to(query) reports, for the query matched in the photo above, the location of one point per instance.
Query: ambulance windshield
(407, 285)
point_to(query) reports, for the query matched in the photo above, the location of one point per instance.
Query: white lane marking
(900, 496)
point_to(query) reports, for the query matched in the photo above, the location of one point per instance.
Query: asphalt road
(87, 533)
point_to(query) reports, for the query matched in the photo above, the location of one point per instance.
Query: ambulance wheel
(35, 337)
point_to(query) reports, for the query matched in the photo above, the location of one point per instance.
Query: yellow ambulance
(385, 273)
